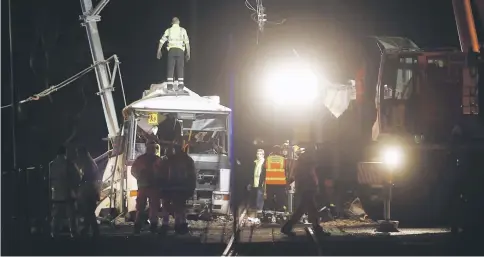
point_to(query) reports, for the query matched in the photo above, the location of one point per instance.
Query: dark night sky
(50, 45)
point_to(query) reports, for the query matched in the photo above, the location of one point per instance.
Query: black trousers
(88, 196)
(307, 203)
(276, 197)
(176, 58)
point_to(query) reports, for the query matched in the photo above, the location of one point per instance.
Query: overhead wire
(73, 78)
(259, 16)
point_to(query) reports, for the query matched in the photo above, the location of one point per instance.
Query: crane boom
(465, 25)
(90, 18)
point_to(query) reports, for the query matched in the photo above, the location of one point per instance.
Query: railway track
(234, 247)
(230, 249)
(313, 238)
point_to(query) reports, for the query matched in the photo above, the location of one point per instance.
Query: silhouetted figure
(64, 180)
(88, 191)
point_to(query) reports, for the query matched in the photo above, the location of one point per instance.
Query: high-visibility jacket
(258, 173)
(176, 36)
(275, 170)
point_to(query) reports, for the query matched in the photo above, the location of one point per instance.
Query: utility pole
(90, 18)
(13, 93)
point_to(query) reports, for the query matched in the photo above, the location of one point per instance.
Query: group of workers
(74, 191)
(284, 169)
(170, 178)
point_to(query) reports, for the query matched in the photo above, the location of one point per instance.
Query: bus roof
(159, 99)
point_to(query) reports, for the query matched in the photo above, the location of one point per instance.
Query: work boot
(287, 230)
(181, 229)
(163, 229)
(320, 231)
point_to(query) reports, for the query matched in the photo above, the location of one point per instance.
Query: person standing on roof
(178, 45)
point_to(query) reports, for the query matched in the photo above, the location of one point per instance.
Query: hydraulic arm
(90, 18)
(469, 43)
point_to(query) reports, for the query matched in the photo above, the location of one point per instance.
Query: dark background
(49, 45)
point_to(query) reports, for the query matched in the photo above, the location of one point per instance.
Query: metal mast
(90, 17)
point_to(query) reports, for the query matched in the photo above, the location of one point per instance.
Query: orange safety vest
(275, 174)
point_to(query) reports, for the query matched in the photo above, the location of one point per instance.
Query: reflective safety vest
(275, 172)
(258, 172)
(158, 150)
(176, 36)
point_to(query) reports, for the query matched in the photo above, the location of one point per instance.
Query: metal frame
(90, 18)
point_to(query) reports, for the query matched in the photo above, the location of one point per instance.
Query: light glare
(292, 85)
(393, 157)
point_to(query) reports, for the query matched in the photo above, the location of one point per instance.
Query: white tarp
(337, 98)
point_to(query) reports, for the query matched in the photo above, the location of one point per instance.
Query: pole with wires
(260, 17)
(13, 92)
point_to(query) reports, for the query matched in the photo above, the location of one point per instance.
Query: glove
(187, 57)
(158, 54)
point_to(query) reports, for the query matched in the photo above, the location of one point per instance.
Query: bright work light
(292, 85)
(393, 157)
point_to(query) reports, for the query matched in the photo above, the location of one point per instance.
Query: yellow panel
(153, 119)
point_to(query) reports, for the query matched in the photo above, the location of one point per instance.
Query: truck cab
(205, 137)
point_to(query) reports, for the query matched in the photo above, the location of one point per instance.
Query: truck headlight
(218, 197)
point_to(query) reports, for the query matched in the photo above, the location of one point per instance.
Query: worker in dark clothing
(64, 180)
(178, 45)
(88, 190)
(144, 169)
(169, 129)
(307, 188)
(179, 185)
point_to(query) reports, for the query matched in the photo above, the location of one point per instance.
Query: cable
(259, 16)
(121, 81)
(64, 83)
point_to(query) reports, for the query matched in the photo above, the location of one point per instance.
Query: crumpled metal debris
(355, 210)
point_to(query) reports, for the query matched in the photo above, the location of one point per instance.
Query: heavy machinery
(426, 110)
(415, 109)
